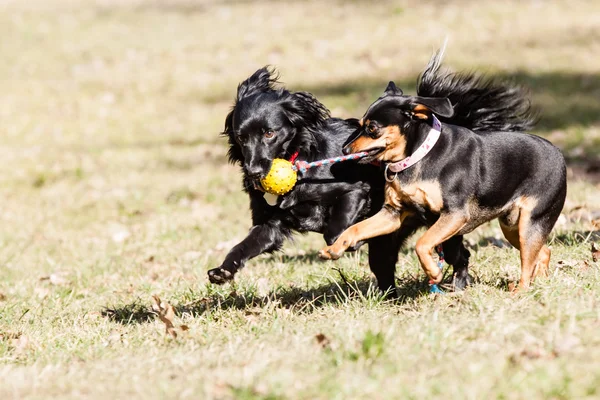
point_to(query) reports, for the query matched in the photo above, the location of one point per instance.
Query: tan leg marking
(445, 227)
(384, 222)
(511, 233)
(543, 263)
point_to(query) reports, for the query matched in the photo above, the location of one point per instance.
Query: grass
(115, 187)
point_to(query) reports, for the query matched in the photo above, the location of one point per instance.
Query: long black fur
(327, 199)
(481, 103)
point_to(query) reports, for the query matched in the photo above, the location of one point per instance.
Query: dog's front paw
(332, 252)
(219, 276)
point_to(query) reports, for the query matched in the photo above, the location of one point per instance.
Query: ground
(115, 187)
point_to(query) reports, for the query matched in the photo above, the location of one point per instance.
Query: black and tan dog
(268, 122)
(469, 176)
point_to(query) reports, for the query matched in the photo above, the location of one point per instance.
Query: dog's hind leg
(447, 225)
(528, 235)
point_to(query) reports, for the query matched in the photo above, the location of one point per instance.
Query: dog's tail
(480, 103)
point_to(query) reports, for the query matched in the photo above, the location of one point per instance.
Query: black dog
(267, 123)
(469, 176)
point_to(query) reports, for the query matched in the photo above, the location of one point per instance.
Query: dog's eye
(269, 134)
(372, 129)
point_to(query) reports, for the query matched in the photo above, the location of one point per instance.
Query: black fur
(267, 122)
(483, 164)
(480, 103)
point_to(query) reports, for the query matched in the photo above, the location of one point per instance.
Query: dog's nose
(254, 172)
(346, 150)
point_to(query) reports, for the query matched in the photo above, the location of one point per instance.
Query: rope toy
(283, 175)
(434, 288)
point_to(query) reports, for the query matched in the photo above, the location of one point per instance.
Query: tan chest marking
(427, 194)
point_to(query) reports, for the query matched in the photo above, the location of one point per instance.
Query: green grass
(115, 187)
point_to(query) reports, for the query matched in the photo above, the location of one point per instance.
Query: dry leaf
(323, 340)
(569, 263)
(595, 252)
(2, 296)
(184, 328)
(56, 279)
(166, 313)
(596, 224)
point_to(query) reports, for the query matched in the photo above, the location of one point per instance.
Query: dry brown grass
(114, 185)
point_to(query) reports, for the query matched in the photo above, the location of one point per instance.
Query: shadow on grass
(335, 292)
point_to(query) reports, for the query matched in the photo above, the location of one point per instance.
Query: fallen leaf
(56, 279)
(533, 353)
(166, 313)
(596, 224)
(323, 340)
(595, 252)
(184, 328)
(2, 296)
(569, 263)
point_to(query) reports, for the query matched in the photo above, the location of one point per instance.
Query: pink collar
(424, 148)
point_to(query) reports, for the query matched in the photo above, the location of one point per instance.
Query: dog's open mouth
(257, 185)
(372, 155)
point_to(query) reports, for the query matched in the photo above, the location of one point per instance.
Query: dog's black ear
(262, 80)
(303, 109)
(392, 89)
(235, 152)
(422, 107)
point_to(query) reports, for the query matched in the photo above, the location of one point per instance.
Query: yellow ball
(281, 178)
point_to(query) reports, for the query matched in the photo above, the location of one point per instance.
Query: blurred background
(110, 111)
(115, 185)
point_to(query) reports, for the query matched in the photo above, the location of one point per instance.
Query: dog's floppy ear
(422, 107)
(260, 81)
(303, 109)
(392, 90)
